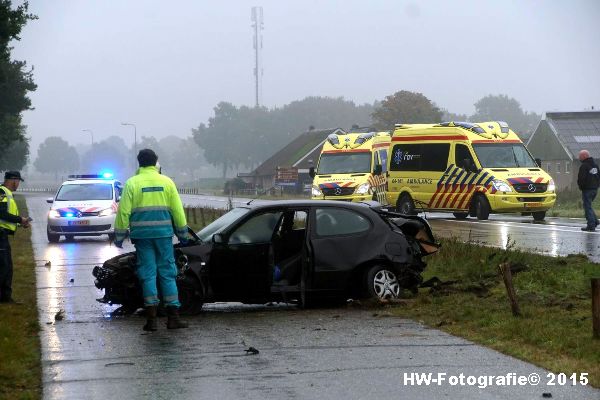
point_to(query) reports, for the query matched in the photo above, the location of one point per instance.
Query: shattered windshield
(221, 223)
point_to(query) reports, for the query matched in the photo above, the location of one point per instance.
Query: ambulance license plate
(531, 205)
(84, 222)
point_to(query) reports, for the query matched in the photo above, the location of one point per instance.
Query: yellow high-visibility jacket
(150, 207)
(10, 224)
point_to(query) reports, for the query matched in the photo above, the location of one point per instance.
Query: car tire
(52, 237)
(191, 295)
(406, 205)
(381, 283)
(460, 215)
(482, 207)
(111, 237)
(539, 215)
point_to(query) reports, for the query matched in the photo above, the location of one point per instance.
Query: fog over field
(165, 65)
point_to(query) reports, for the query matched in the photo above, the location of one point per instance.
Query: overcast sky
(164, 65)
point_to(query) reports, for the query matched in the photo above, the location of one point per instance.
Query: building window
(567, 167)
(549, 168)
(558, 168)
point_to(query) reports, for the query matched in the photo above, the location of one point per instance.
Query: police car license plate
(84, 222)
(537, 204)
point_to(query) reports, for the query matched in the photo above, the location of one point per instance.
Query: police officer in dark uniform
(9, 219)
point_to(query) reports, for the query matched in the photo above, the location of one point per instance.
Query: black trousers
(6, 268)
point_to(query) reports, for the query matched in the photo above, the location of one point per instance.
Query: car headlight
(551, 186)
(106, 212)
(501, 186)
(53, 214)
(363, 188)
(316, 191)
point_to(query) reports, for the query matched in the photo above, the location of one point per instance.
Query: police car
(85, 205)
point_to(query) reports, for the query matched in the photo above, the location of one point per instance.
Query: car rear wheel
(382, 283)
(191, 295)
(482, 207)
(406, 205)
(52, 237)
(460, 215)
(539, 215)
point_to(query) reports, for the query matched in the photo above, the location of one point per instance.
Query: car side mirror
(218, 238)
(377, 170)
(538, 161)
(50, 200)
(311, 172)
(118, 199)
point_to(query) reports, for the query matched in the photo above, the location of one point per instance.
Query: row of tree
(237, 137)
(180, 158)
(16, 80)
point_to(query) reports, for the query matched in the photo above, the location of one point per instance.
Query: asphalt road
(342, 353)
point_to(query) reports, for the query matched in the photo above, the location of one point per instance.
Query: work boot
(151, 320)
(173, 320)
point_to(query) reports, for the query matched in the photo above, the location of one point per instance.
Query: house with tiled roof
(298, 155)
(558, 139)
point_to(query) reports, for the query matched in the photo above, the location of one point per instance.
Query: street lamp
(92, 133)
(134, 136)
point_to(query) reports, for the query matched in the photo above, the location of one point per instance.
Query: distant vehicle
(302, 251)
(352, 167)
(85, 205)
(469, 169)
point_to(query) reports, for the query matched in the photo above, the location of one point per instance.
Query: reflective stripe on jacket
(12, 208)
(150, 207)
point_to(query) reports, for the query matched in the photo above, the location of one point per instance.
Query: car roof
(80, 181)
(314, 203)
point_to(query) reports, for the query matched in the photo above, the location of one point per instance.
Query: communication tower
(258, 26)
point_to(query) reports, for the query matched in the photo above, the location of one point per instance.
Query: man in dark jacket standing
(588, 181)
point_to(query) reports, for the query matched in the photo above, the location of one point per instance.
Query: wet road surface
(343, 353)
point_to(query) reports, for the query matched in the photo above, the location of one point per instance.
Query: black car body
(289, 250)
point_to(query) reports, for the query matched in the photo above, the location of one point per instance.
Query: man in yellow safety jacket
(9, 219)
(151, 208)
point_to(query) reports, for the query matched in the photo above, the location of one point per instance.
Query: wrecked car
(288, 251)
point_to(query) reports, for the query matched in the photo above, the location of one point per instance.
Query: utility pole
(258, 25)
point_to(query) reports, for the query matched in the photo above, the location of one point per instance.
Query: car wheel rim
(386, 285)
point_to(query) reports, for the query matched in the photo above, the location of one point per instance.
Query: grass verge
(554, 293)
(568, 204)
(20, 365)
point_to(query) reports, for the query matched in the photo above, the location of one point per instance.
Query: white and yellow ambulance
(352, 167)
(469, 169)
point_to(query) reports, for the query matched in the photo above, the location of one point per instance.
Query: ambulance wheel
(52, 238)
(482, 207)
(460, 215)
(539, 215)
(406, 205)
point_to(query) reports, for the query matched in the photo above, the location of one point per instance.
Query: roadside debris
(60, 315)
(251, 351)
(48, 264)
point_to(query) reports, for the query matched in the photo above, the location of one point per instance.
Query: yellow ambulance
(469, 169)
(352, 167)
